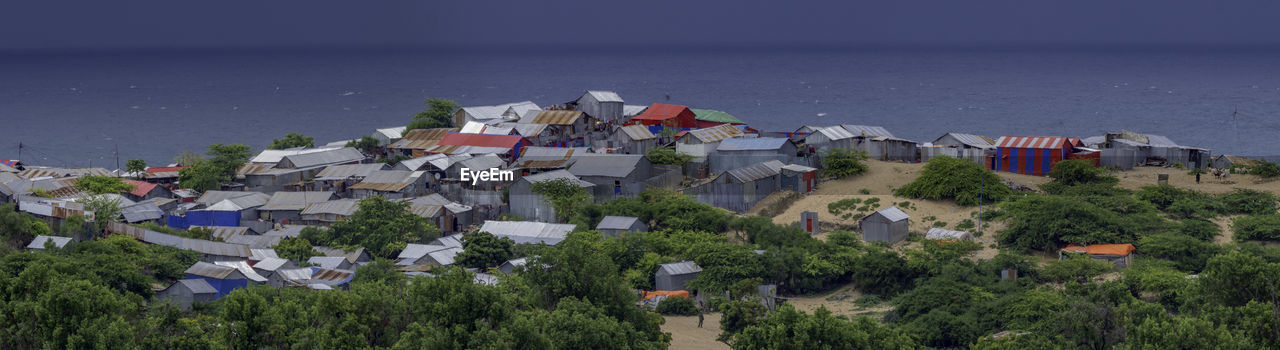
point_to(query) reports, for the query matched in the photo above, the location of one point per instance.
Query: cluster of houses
(596, 142)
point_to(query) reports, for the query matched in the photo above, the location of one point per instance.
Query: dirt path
(685, 333)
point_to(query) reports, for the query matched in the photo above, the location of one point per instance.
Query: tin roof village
(489, 172)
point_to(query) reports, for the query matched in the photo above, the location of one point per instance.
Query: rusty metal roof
(756, 171)
(422, 138)
(339, 172)
(715, 133)
(557, 117)
(205, 269)
(388, 180)
(637, 132)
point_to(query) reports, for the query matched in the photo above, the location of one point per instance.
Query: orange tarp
(1101, 249)
(669, 293)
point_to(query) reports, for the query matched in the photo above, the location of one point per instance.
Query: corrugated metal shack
(508, 112)
(286, 207)
(885, 225)
(735, 153)
(880, 144)
(527, 204)
(339, 178)
(1030, 155)
(186, 292)
(387, 136)
(392, 184)
(614, 226)
(415, 142)
(675, 276)
(528, 231)
(740, 189)
(709, 117)
(1127, 149)
(632, 139)
(605, 106)
(958, 145)
(329, 212)
(663, 115)
(614, 175)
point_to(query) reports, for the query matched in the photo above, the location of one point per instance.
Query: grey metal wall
(528, 205)
(724, 161)
(662, 281)
(738, 197)
(972, 154)
(605, 111)
(892, 232)
(454, 192)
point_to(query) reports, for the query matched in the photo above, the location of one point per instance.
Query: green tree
(676, 305)
(105, 210)
(1076, 268)
(788, 328)
(1073, 172)
(295, 249)
(136, 166)
(667, 156)
(564, 195)
(439, 114)
(483, 250)
(959, 179)
(382, 226)
(366, 144)
(1257, 227)
(292, 140)
(1265, 169)
(840, 163)
(220, 167)
(102, 184)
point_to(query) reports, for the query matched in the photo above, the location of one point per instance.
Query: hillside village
(488, 173)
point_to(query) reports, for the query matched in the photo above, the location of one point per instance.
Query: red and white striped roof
(1038, 142)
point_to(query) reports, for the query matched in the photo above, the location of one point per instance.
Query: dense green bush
(1265, 169)
(1257, 227)
(679, 306)
(1076, 268)
(667, 156)
(840, 163)
(959, 179)
(1188, 253)
(1048, 222)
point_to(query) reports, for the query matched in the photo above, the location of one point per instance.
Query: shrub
(1245, 201)
(840, 163)
(667, 156)
(1188, 253)
(1265, 169)
(1200, 229)
(1078, 268)
(959, 179)
(864, 191)
(677, 306)
(965, 224)
(940, 224)
(1257, 227)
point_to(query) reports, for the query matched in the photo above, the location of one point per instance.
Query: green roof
(712, 115)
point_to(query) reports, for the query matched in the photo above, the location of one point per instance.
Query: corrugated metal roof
(482, 128)
(224, 232)
(715, 133)
(197, 245)
(835, 133)
(275, 155)
(681, 268)
(445, 256)
(756, 171)
(1035, 142)
(143, 211)
(604, 96)
(388, 180)
(331, 277)
(616, 223)
(970, 140)
(633, 110)
(341, 207)
(351, 255)
(7, 169)
(637, 132)
(32, 173)
(262, 253)
(485, 279)
(457, 150)
(244, 268)
(38, 243)
(867, 130)
(502, 111)
(752, 144)
(892, 213)
(486, 161)
(528, 231)
(417, 251)
(557, 174)
(270, 264)
(335, 156)
(798, 168)
(296, 200)
(255, 241)
(425, 210)
(661, 111)
(526, 129)
(502, 141)
(944, 234)
(214, 271)
(453, 240)
(140, 188)
(559, 117)
(298, 274)
(196, 286)
(213, 197)
(711, 115)
(611, 165)
(328, 262)
(391, 133)
(162, 172)
(422, 138)
(344, 171)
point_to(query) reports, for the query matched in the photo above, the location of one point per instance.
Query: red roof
(480, 140)
(1036, 142)
(166, 169)
(140, 188)
(670, 115)
(1101, 249)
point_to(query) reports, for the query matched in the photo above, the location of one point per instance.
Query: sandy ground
(685, 333)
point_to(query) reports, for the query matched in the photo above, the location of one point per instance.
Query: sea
(92, 108)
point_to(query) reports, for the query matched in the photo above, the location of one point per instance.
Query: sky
(167, 24)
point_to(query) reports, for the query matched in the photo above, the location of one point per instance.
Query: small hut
(614, 226)
(886, 225)
(676, 276)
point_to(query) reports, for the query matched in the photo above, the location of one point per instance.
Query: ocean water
(78, 109)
